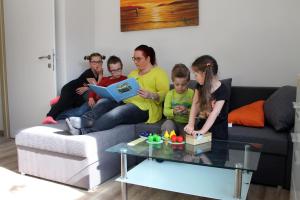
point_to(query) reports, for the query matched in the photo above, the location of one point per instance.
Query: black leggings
(68, 99)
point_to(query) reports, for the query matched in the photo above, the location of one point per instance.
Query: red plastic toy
(174, 138)
(179, 139)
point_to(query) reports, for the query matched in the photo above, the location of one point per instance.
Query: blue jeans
(74, 112)
(107, 114)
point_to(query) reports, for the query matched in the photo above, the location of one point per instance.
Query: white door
(29, 34)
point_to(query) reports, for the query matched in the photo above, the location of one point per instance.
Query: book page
(101, 91)
(117, 91)
(124, 89)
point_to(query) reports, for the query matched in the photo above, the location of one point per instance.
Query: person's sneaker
(72, 130)
(76, 122)
(49, 120)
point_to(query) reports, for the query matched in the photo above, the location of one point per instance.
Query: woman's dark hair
(180, 71)
(209, 66)
(89, 57)
(113, 60)
(147, 52)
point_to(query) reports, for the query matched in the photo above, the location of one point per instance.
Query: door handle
(45, 57)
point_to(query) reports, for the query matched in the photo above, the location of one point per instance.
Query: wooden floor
(110, 190)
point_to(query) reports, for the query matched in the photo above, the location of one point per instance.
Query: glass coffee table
(218, 169)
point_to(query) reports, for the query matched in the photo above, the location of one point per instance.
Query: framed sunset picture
(155, 14)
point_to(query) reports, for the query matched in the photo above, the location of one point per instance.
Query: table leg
(124, 174)
(238, 181)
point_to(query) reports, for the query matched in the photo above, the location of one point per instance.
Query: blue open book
(117, 91)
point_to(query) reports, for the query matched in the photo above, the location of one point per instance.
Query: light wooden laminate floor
(110, 190)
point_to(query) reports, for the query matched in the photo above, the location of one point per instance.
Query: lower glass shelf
(189, 179)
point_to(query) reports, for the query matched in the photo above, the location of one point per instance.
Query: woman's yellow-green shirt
(156, 80)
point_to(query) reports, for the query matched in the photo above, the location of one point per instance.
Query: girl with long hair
(209, 108)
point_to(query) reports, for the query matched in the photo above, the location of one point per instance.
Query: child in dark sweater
(72, 93)
(114, 66)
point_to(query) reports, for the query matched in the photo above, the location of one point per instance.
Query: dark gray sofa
(276, 157)
(275, 164)
(49, 152)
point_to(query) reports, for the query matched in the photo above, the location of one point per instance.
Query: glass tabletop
(218, 153)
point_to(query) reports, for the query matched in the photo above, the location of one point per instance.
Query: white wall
(74, 37)
(255, 42)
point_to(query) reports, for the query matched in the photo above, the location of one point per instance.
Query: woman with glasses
(144, 107)
(71, 95)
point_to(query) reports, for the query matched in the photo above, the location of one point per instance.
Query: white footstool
(49, 152)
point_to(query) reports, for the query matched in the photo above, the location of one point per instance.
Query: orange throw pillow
(249, 115)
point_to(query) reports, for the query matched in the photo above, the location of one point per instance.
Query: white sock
(76, 122)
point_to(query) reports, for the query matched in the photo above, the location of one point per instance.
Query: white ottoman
(49, 152)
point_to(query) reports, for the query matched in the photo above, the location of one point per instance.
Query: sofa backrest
(243, 95)
(227, 82)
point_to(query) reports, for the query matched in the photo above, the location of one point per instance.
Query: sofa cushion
(227, 82)
(249, 115)
(272, 141)
(55, 138)
(279, 111)
(243, 95)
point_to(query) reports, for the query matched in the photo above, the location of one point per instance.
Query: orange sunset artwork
(155, 14)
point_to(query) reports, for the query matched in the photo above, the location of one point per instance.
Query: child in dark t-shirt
(209, 108)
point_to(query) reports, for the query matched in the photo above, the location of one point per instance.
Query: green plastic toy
(151, 138)
(157, 138)
(154, 138)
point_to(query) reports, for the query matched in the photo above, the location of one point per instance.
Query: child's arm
(168, 111)
(162, 87)
(181, 109)
(82, 90)
(100, 76)
(92, 97)
(91, 102)
(91, 81)
(211, 118)
(189, 128)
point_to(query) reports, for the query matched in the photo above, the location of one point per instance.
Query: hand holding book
(148, 95)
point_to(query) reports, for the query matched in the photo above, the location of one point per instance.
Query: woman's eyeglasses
(96, 62)
(137, 59)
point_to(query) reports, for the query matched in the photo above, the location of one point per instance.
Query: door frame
(3, 75)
